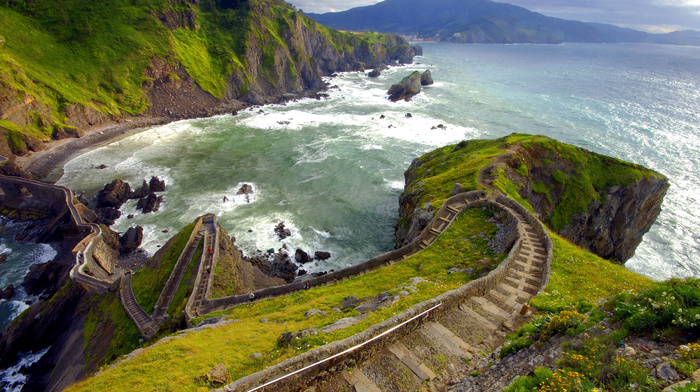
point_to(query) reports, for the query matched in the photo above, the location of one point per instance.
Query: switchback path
(454, 330)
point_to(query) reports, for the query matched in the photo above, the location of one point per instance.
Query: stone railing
(99, 276)
(311, 365)
(437, 225)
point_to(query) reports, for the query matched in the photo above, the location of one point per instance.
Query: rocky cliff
(85, 331)
(600, 203)
(178, 58)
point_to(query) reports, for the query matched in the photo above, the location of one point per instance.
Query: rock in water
(417, 50)
(426, 79)
(321, 255)
(150, 203)
(142, 191)
(3, 257)
(114, 194)
(8, 292)
(407, 88)
(301, 257)
(246, 189)
(374, 73)
(131, 240)
(108, 215)
(156, 185)
(281, 231)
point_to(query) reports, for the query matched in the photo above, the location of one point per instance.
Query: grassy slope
(576, 274)
(95, 53)
(193, 355)
(593, 172)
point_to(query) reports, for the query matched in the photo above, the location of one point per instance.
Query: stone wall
(345, 354)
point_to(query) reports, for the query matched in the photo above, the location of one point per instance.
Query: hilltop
(485, 21)
(72, 66)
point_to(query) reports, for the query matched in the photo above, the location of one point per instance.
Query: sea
(332, 169)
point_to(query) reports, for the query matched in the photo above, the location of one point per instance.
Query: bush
(562, 322)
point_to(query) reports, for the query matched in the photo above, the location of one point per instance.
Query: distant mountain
(485, 21)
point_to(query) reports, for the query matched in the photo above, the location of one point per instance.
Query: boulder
(218, 375)
(321, 255)
(131, 239)
(417, 50)
(407, 88)
(374, 73)
(301, 257)
(156, 185)
(141, 192)
(666, 372)
(314, 312)
(8, 292)
(426, 79)
(108, 215)
(3, 257)
(114, 194)
(150, 203)
(246, 189)
(281, 231)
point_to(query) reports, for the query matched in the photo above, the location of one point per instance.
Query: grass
(194, 354)
(95, 54)
(149, 281)
(590, 174)
(578, 275)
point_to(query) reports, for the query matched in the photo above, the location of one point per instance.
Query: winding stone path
(86, 271)
(466, 325)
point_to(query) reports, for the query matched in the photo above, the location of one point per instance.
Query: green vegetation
(96, 54)
(663, 310)
(149, 281)
(590, 174)
(194, 354)
(107, 321)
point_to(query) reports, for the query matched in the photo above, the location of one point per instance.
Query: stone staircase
(443, 348)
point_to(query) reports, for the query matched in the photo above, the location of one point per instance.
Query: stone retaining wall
(219, 304)
(447, 301)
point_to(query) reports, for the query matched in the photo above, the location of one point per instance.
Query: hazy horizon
(653, 16)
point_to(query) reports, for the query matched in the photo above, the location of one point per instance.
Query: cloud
(648, 15)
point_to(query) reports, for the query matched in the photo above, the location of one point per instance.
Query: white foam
(13, 377)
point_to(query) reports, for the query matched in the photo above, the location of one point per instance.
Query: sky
(654, 16)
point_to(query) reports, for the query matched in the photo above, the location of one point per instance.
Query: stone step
(442, 218)
(489, 307)
(435, 231)
(479, 319)
(411, 361)
(452, 209)
(359, 381)
(522, 284)
(454, 343)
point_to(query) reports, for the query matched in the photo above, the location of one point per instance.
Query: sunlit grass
(175, 364)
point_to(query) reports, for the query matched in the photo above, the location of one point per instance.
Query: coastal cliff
(97, 64)
(600, 203)
(85, 331)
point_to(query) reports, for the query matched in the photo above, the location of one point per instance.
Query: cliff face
(180, 58)
(600, 203)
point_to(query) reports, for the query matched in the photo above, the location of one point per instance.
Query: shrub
(563, 322)
(515, 346)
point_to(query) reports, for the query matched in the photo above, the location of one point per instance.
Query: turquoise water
(332, 170)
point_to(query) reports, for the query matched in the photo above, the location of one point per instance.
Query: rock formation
(131, 239)
(607, 218)
(406, 88)
(426, 78)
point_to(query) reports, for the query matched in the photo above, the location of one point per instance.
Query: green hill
(71, 65)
